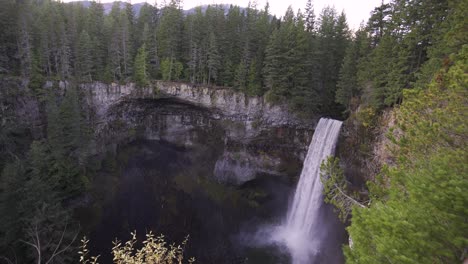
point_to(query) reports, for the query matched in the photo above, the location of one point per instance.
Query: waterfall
(299, 232)
(308, 196)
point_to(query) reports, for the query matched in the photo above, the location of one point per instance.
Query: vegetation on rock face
(35, 222)
(416, 211)
(418, 215)
(336, 189)
(411, 55)
(141, 67)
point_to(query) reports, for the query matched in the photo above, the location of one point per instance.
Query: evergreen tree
(309, 16)
(65, 137)
(213, 59)
(24, 40)
(348, 85)
(84, 62)
(99, 39)
(421, 219)
(304, 98)
(169, 35)
(333, 38)
(379, 22)
(8, 30)
(126, 31)
(277, 70)
(141, 67)
(240, 78)
(254, 86)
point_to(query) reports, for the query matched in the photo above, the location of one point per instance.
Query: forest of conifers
(297, 57)
(410, 54)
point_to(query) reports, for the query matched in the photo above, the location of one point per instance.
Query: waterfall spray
(299, 230)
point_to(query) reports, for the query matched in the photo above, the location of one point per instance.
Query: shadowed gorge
(210, 133)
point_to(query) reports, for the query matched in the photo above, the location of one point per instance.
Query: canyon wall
(251, 135)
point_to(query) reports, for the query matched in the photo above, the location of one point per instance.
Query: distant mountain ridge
(137, 7)
(108, 6)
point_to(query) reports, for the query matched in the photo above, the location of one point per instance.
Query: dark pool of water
(171, 190)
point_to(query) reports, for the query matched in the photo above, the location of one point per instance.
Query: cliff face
(19, 107)
(364, 145)
(225, 102)
(249, 135)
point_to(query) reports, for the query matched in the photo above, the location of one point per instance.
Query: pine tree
(141, 67)
(12, 181)
(126, 31)
(309, 16)
(240, 78)
(24, 41)
(304, 97)
(233, 43)
(169, 35)
(99, 39)
(213, 59)
(333, 38)
(254, 86)
(115, 51)
(421, 219)
(379, 22)
(84, 60)
(8, 28)
(348, 85)
(278, 64)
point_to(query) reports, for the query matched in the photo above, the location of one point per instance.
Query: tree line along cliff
(410, 55)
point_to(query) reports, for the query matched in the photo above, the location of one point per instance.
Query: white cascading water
(301, 223)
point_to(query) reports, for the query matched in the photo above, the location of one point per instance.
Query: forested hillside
(413, 209)
(409, 58)
(295, 58)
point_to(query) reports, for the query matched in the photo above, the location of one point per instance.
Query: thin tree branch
(349, 197)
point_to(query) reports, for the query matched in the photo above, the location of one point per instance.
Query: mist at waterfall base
(310, 233)
(171, 190)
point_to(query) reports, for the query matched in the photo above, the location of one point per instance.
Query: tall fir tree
(141, 67)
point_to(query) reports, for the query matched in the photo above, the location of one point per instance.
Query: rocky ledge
(231, 104)
(252, 136)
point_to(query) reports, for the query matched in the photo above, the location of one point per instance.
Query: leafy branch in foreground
(155, 250)
(335, 188)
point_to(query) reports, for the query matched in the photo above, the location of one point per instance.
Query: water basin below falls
(153, 185)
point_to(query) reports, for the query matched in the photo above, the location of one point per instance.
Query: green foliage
(240, 78)
(293, 59)
(84, 60)
(335, 188)
(254, 87)
(166, 69)
(423, 224)
(401, 35)
(422, 218)
(8, 27)
(171, 70)
(293, 62)
(348, 85)
(367, 117)
(140, 67)
(214, 59)
(411, 52)
(34, 223)
(65, 136)
(37, 80)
